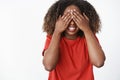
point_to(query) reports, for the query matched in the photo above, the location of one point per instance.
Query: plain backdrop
(22, 39)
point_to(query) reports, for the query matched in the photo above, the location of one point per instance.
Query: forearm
(96, 53)
(51, 55)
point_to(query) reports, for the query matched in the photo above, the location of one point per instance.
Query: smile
(71, 28)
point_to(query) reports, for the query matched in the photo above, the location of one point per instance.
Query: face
(72, 28)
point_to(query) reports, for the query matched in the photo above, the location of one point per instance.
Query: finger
(78, 15)
(59, 17)
(65, 17)
(76, 20)
(68, 20)
(68, 16)
(85, 16)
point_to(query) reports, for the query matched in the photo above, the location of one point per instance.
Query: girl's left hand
(82, 21)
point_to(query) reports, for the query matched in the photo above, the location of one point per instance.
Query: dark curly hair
(58, 9)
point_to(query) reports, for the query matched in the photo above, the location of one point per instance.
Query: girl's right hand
(63, 22)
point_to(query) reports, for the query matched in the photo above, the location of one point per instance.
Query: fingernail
(74, 10)
(72, 17)
(68, 11)
(71, 11)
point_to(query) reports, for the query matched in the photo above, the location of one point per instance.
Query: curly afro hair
(58, 9)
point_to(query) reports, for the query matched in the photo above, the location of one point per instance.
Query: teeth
(71, 28)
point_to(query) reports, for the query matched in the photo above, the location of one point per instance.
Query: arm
(96, 53)
(51, 55)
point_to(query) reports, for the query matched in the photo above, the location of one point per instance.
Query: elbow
(100, 63)
(48, 67)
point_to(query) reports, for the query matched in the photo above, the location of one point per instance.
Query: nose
(72, 22)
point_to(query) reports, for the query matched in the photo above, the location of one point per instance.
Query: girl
(71, 47)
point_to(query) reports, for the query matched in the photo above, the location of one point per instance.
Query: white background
(22, 39)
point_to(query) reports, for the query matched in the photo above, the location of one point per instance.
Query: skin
(72, 16)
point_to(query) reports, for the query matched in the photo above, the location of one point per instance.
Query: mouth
(71, 28)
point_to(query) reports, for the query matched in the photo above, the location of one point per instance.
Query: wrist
(88, 32)
(57, 33)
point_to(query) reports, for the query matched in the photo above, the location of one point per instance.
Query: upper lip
(72, 26)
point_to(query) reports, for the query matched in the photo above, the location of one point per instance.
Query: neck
(72, 37)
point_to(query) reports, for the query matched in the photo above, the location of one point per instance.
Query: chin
(71, 33)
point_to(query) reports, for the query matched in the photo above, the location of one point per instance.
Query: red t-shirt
(74, 63)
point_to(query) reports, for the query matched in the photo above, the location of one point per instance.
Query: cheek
(78, 29)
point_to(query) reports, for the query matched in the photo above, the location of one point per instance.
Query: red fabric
(74, 63)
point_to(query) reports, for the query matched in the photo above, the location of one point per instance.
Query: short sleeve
(47, 42)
